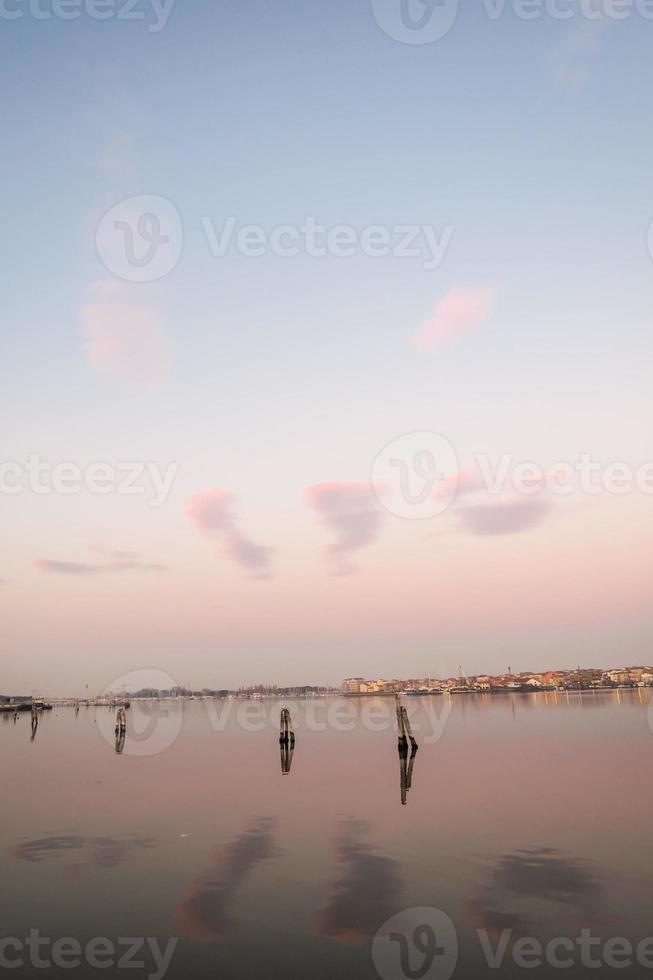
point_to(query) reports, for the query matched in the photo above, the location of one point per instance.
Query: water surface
(526, 813)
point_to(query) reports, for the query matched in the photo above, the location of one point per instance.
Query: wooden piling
(121, 722)
(404, 730)
(401, 731)
(408, 730)
(286, 732)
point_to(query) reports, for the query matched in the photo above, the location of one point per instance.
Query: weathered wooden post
(286, 733)
(401, 731)
(121, 722)
(408, 730)
(404, 730)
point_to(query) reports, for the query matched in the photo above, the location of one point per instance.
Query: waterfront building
(352, 685)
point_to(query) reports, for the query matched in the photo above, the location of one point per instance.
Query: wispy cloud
(100, 549)
(206, 911)
(352, 512)
(504, 516)
(102, 852)
(460, 310)
(365, 892)
(480, 510)
(125, 341)
(114, 561)
(572, 60)
(524, 884)
(212, 513)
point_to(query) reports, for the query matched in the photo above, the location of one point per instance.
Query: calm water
(528, 813)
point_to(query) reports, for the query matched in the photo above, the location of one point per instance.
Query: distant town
(580, 679)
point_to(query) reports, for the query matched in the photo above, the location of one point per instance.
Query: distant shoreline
(456, 695)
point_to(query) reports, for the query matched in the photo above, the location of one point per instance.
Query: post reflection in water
(35, 722)
(286, 758)
(406, 766)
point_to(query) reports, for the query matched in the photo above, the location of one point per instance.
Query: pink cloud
(505, 516)
(482, 509)
(115, 561)
(211, 511)
(48, 567)
(459, 310)
(352, 513)
(125, 341)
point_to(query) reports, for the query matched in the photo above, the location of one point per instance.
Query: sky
(284, 287)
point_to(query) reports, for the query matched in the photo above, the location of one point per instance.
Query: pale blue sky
(288, 372)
